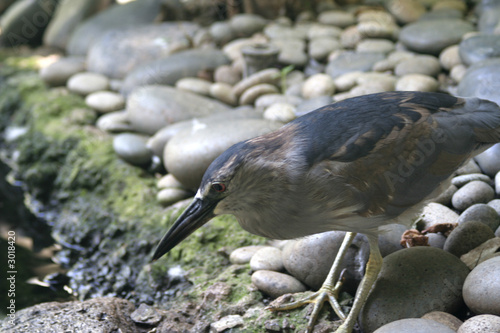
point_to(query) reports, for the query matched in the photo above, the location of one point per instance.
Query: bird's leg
(371, 273)
(328, 292)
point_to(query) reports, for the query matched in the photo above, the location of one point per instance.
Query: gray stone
(222, 32)
(86, 83)
(433, 36)
(267, 258)
(309, 259)
(189, 153)
(276, 284)
(441, 14)
(450, 57)
(479, 47)
(270, 76)
(414, 325)
(445, 197)
(281, 112)
(349, 61)
(482, 80)
(151, 108)
(194, 85)
(406, 11)
(243, 255)
(341, 19)
(444, 318)
(423, 64)
(436, 240)
(245, 25)
(489, 160)
(132, 148)
(470, 167)
(417, 82)
(227, 74)
(472, 193)
(118, 17)
(105, 101)
(375, 45)
(169, 196)
(409, 286)
(481, 324)
(460, 181)
(114, 122)
(251, 94)
(318, 85)
(466, 237)
(24, 22)
(482, 288)
(321, 47)
(389, 240)
(435, 213)
(58, 73)
(68, 15)
(482, 213)
(495, 204)
(281, 32)
(170, 69)
(266, 101)
(117, 52)
(161, 137)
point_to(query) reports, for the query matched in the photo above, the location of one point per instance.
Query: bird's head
(215, 186)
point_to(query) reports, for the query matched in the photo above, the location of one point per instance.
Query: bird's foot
(325, 294)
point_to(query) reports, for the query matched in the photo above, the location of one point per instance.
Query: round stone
(482, 80)
(188, 154)
(406, 11)
(221, 32)
(413, 282)
(105, 101)
(276, 284)
(375, 45)
(423, 64)
(417, 82)
(444, 318)
(270, 76)
(87, 83)
(479, 47)
(349, 61)
(433, 36)
(151, 108)
(132, 148)
(306, 258)
(482, 213)
(321, 47)
(481, 324)
(435, 213)
(58, 73)
(227, 74)
(265, 101)
(194, 85)
(467, 178)
(245, 25)
(169, 196)
(466, 237)
(414, 325)
(114, 122)
(482, 288)
(267, 258)
(472, 193)
(282, 112)
(243, 255)
(223, 92)
(337, 18)
(251, 94)
(450, 57)
(318, 85)
(489, 160)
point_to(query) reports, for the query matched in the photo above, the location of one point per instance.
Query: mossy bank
(104, 212)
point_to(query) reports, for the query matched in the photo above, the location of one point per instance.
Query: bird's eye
(219, 187)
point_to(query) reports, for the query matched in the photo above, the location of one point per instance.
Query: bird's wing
(395, 149)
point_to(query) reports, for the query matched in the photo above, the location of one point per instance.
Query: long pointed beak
(196, 214)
